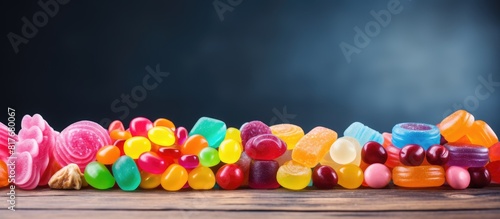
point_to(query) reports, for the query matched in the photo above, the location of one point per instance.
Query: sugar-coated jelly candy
(168, 153)
(252, 129)
(116, 125)
(162, 122)
(293, 175)
(107, 155)
(152, 163)
(373, 152)
(244, 163)
(98, 176)
(422, 134)
(230, 151)
(346, 150)
(4, 174)
(162, 136)
(174, 178)
(289, 133)
(324, 177)
(181, 135)
(437, 155)
(457, 177)
(149, 180)
(189, 161)
(139, 126)
(212, 129)
(135, 146)
(418, 176)
(479, 177)
(412, 155)
(494, 152)
(467, 155)
(126, 173)
(230, 176)
(265, 147)
(209, 157)
(201, 178)
(350, 176)
(194, 144)
(377, 176)
(313, 146)
(456, 125)
(480, 133)
(233, 133)
(387, 139)
(494, 169)
(262, 174)
(363, 133)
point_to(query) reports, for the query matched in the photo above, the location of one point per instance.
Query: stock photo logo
(221, 7)
(281, 116)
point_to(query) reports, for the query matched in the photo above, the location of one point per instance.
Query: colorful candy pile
(460, 152)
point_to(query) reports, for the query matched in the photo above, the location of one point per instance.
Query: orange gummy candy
(165, 123)
(418, 176)
(4, 174)
(456, 125)
(481, 134)
(313, 146)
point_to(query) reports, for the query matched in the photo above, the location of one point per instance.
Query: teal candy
(363, 133)
(126, 173)
(213, 130)
(209, 157)
(98, 176)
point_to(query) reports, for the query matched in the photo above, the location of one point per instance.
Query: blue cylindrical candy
(422, 134)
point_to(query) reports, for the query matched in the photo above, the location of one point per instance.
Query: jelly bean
(189, 161)
(290, 134)
(494, 152)
(162, 122)
(107, 155)
(494, 169)
(387, 139)
(324, 177)
(135, 146)
(287, 156)
(244, 163)
(119, 144)
(350, 176)
(149, 180)
(181, 135)
(373, 152)
(363, 133)
(201, 178)
(346, 150)
(479, 177)
(230, 176)
(480, 133)
(437, 155)
(392, 157)
(412, 155)
(313, 146)
(233, 133)
(252, 129)
(293, 175)
(209, 157)
(265, 147)
(230, 151)
(377, 176)
(139, 126)
(126, 173)
(457, 177)
(422, 134)
(120, 135)
(116, 125)
(262, 174)
(4, 174)
(98, 176)
(169, 153)
(418, 176)
(162, 136)
(467, 155)
(456, 125)
(194, 144)
(152, 163)
(212, 129)
(174, 178)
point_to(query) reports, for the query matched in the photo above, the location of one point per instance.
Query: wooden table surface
(440, 202)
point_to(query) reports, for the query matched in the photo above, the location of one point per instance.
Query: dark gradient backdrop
(264, 55)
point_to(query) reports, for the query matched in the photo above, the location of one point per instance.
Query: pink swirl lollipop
(79, 142)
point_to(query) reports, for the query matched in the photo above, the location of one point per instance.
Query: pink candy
(4, 139)
(377, 176)
(457, 177)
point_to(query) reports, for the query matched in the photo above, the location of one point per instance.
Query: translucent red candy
(230, 176)
(494, 169)
(265, 147)
(437, 155)
(252, 129)
(169, 153)
(324, 177)
(152, 163)
(263, 174)
(392, 156)
(139, 126)
(373, 152)
(412, 155)
(79, 142)
(189, 161)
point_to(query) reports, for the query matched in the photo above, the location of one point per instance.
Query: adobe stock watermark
(281, 116)
(49, 8)
(482, 92)
(372, 29)
(137, 94)
(221, 7)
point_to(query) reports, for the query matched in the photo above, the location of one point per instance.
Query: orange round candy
(193, 145)
(456, 125)
(165, 123)
(107, 155)
(4, 174)
(481, 134)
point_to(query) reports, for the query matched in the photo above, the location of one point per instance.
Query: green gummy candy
(213, 130)
(126, 173)
(98, 176)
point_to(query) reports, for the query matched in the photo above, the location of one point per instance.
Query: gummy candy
(233, 133)
(467, 155)
(346, 150)
(373, 152)
(98, 176)
(209, 157)
(252, 129)
(4, 174)
(494, 152)
(189, 161)
(230, 176)
(350, 176)
(293, 175)
(162, 122)
(457, 177)
(181, 135)
(149, 180)
(139, 126)
(229, 151)
(244, 163)
(212, 129)
(136, 145)
(174, 178)
(262, 174)
(265, 147)
(418, 176)
(377, 176)
(480, 133)
(412, 155)
(324, 177)
(201, 178)
(422, 134)
(152, 163)
(313, 146)
(194, 144)
(363, 133)
(387, 139)
(456, 125)
(437, 155)
(290, 134)
(107, 155)
(126, 173)
(494, 170)
(162, 136)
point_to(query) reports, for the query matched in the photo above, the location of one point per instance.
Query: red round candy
(412, 155)
(139, 126)
(373, 152)
(437, 155)
(230, 176)
(265, 147)
(324, 177)
(479, 177)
